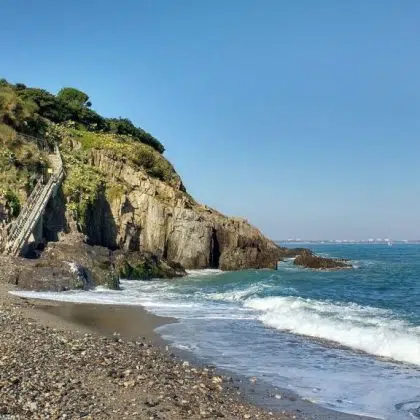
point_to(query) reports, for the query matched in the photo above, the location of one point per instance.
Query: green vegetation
(30, 109)
(115, 191)
(124, 148)
(21, 163)
(81, 187)
(74, 97)
(126, 127)
(12, 202)
(18, 113)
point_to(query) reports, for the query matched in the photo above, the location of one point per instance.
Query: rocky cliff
(133, 211)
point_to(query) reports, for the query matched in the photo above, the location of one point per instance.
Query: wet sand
(129, 322)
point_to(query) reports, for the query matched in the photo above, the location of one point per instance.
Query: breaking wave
(368, 329)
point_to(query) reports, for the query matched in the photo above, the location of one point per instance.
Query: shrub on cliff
(11, 201)
(20, 114)
(21, 162)
(81, 187)
(125, 126)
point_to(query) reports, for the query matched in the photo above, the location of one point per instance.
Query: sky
(301, 116)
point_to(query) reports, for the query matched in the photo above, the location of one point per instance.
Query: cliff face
(135, 212)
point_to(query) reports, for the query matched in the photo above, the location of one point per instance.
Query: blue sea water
(348, 340)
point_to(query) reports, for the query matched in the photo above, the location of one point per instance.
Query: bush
(12, 203)
(18, 113)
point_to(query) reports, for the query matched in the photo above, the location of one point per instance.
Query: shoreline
(135, 322)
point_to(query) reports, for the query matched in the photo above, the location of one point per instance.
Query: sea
(347, 340)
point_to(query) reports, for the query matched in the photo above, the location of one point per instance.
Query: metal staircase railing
(25, 211)
(31, 213)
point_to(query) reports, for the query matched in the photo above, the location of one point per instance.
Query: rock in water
(307, 259)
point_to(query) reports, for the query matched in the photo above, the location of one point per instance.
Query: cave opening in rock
(214, 250)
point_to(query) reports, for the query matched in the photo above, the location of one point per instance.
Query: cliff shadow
(214, 259)
(100, 227)
(54, 219)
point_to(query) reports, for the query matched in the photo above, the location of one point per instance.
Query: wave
(236, 295)
(204, 272)
(368, 329)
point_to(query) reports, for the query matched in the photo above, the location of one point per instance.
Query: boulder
(53, 276)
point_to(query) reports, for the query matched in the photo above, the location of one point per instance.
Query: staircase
(31, 213)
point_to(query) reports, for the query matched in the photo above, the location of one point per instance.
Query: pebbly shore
(63, 373)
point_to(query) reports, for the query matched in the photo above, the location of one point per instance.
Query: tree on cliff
(74, 96)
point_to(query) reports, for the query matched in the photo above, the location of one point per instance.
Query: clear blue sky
(302, 116)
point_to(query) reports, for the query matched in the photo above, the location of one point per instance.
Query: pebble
(48, 373)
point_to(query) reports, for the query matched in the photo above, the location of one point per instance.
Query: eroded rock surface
(134, 212)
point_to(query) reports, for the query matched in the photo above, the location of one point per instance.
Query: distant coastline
(350, 241)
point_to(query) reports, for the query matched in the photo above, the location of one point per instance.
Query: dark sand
(128, 321)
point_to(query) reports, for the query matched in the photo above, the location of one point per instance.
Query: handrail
(34, 208)
(28, 206)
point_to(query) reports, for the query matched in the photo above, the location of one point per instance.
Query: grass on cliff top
(123, 147)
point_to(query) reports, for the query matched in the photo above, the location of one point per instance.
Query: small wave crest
(237, 295)
(204, 272)
(368, 329)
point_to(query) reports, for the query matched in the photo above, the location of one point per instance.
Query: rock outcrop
(72, 264)
(307, 259)
(135, 212)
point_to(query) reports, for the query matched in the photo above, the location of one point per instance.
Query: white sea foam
(372, 330)
(204, 272)
(236, 295)
(133, 294)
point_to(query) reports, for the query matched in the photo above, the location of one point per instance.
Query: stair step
(34, 208)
